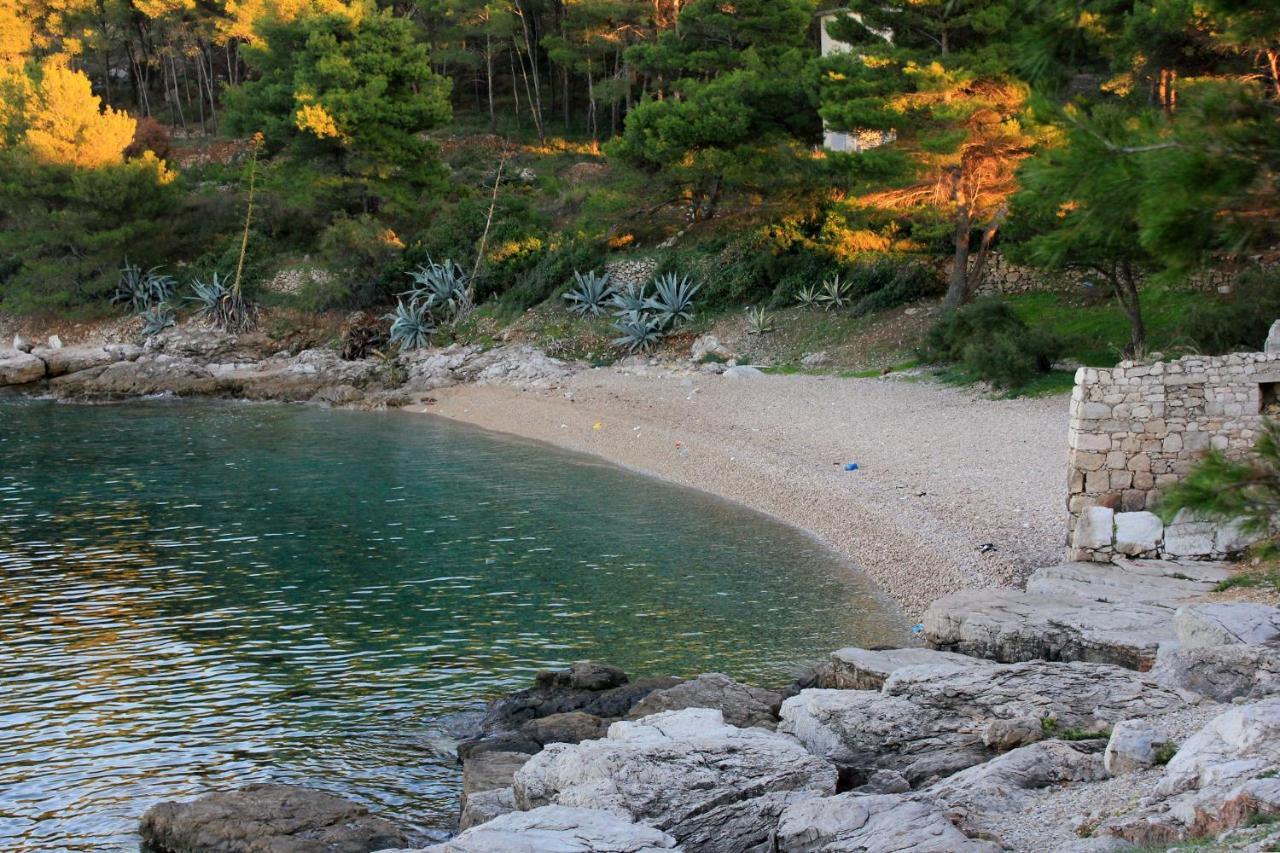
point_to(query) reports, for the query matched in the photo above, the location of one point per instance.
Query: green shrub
(990, 341)
(551, 269)
(890, 282)
(1240, 322)
(363, 254)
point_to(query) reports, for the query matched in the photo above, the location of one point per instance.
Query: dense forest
(526, 140)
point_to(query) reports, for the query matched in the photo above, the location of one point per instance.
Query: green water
(197, 596)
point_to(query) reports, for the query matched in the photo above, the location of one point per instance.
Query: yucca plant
(758, 321)
(672, 301)
(222, 305)
(141, 289)
(835, 293)
(637, 333)
(156, 319)
(630, 304)
(590, 294)
(442, 288)
(411, 325)
(808, 296)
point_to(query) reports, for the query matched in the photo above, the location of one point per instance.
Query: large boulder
(60, 362)
(1134, 745)
(20, 368)
(1220, 778)
(1003, 784)
(267, 819)
(558, 829)
(741, 705)
(715, 787)
(570, 727)
(1221, 673)
(487, 778)
(857, 823)
(867, 669)
(929, 721)
(1223, 623)
(1081, 611)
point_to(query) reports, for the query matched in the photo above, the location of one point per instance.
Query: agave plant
(758, 321)
(442, 288)
(221, 305)
(590, 294)
(637, 333)
(141, 289)
(672, 300)
(156, 319)
(835, 293)
(411, 325)
(630, 304)
(808, 296)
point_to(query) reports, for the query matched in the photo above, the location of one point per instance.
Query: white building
(848, 140)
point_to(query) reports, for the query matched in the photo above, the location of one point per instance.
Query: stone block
(1095, 529)
(1121, 480)
(1138, 532)
(1090, 441)
(1189, 538)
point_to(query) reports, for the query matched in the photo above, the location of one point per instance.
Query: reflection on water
(195, 596)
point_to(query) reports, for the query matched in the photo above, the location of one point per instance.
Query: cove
(198, 596)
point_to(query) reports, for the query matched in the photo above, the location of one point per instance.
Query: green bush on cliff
(989, 341)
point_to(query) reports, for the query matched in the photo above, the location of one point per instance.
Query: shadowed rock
(267, 819)
(741, 705)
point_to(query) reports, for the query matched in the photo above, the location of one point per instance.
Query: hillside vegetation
(457, 162)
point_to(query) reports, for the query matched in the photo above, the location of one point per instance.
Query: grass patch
(1046, 385)
(1165, 753)
(1268, 579)
(1096, 330)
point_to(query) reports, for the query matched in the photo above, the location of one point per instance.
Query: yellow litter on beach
(598, 426)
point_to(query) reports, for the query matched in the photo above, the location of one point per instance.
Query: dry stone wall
(1139, 428)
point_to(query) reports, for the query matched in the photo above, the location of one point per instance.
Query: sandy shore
(943, 474)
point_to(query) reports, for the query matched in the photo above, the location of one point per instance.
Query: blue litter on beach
(851, 466)
(918, 628)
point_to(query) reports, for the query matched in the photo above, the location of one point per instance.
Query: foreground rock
(1221, 673)
(712, 786)
(266, 819)
(557, 829)
(1219, 779)
(867, 669)
(929, 721)
(741, 705)
(19, 368)
(1224, 624)
(853, 822)
(1117, 614)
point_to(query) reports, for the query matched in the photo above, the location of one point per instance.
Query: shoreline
(914, 520)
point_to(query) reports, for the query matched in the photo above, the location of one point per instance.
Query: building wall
(1139, 428)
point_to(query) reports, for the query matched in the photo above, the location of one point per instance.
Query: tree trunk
(1125, 282)
(958, 286)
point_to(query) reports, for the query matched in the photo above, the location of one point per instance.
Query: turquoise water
(200, 595)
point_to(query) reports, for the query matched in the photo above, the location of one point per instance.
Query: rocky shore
(1051, 733)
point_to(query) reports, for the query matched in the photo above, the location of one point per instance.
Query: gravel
(953, 490)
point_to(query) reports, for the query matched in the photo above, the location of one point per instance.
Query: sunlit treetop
(67, 125)
(244, 18)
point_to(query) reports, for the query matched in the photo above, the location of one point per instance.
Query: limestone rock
(1002, 785)
(263, 818)
(60, 362)
(1272, 344)
(709, 344)
(557, 829)
(1189, 537)
(1004, 735)
(1221, 673)
(743, 371)
(1163, 583)
(484, 806)
(850, 823)
(866, 669)
(1095, 528)
(1221, 624)
(929, 721)
(1217, 780)
(885, 782)
(741, 705)
(20, 368)
(1133, 746)
(816, 359)
(584, 675)
(1138, 533)
(489, 771)
(713, 786)
(1011, 625)
(21, 344)
(55, 342)
(570, 727)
